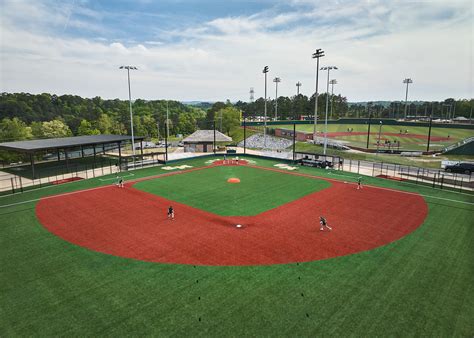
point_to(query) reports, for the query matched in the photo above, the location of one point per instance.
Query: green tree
(138, 128)
(211, 113)
(14, 130)
(118, 128)
(149, 126)
(186, 124)
(230, 118)
(37, 129)
(85, 128)
(104, 124)
(56, 128)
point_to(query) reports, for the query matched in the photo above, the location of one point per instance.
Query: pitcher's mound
(233, 180)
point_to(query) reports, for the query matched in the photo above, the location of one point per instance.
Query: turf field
(257, 191)
(419, 285)
(415, 139)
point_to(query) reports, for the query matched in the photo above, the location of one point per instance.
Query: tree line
(301, 106)
(295, 107)
(26, 116)
(446, 110)
(57, 116)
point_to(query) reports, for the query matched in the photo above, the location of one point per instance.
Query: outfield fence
(436, 178)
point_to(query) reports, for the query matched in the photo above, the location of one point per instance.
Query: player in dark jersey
(323, 224)
(171, 213)
(359, 183)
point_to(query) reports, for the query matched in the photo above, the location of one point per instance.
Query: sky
(213, 50)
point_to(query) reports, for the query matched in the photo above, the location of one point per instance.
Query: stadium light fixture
(128, 68)
(298, 85)
(316, 55)
(265, 71)
(328, 68)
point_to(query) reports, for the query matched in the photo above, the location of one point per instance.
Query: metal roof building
(66, 144)
(203, 140)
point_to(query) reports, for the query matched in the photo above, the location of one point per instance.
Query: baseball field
(247, 258)
(408, 137)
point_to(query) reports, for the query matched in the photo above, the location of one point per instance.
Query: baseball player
(171, 213)
(323, 224)
(119, 182)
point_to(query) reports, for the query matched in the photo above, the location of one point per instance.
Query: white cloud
(375, 44)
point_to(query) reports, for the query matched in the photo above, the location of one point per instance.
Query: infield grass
(258, 191)
(420, 285)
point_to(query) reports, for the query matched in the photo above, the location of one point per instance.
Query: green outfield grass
(421, 285)
(406, 143)
(258, 190)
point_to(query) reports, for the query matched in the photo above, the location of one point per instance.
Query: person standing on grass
(323, 224)
(359, 183)
(171, 213)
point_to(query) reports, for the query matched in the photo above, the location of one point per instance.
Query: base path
(133, 224)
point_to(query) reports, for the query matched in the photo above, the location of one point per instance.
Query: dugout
(67, 148)
(313, 158)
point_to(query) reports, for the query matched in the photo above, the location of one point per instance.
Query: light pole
(407, 81)
(316, 55)
(298, 85)
(276, 80)
(378, 142)
(167, 129)
(265, 71)
(332, 82)
(429, 133)
(130, 104)
(368, 130)
(328, 68)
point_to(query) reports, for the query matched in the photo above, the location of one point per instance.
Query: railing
(459, 144)
(11, 182)
(435, 178)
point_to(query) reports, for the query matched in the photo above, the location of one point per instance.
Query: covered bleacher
(67, 148)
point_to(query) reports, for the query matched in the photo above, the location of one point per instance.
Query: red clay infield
(131, 223)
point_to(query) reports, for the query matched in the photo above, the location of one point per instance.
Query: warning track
(131, 223)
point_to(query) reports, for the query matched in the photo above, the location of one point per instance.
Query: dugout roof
(65, 142)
